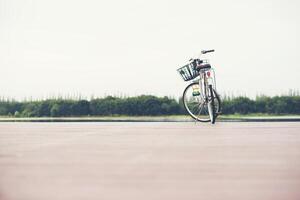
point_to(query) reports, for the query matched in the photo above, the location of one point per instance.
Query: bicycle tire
(213, 117)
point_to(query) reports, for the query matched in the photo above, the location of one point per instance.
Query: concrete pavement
(149, 161)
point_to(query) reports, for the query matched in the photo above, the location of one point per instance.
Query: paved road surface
(149, 161)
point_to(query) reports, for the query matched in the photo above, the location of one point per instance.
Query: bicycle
(200, 98)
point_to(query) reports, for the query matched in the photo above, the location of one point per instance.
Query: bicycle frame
(205, 81)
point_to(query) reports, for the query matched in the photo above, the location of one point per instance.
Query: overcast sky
(132, 47)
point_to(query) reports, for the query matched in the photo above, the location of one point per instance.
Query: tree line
(144, 105)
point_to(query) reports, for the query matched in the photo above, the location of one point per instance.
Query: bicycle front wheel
(211, 105)
(196, 103)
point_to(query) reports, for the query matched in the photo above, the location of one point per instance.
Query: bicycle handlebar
(202, 52)
(207, 51)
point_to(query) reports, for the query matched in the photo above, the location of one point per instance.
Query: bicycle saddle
(203, 66)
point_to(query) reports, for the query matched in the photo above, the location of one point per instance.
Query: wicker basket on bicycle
(188, 72)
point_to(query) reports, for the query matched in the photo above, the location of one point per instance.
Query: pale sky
(133, 47)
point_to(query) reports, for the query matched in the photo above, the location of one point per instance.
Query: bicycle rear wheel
(196, 104)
